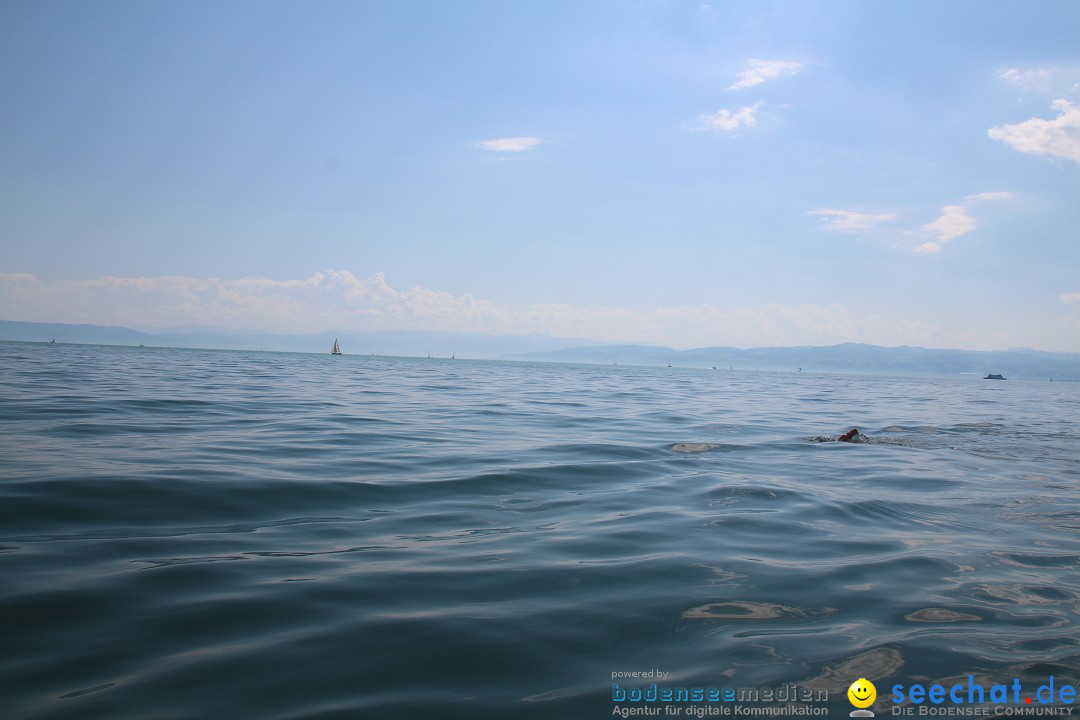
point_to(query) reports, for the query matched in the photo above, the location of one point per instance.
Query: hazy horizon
(674, 174)
(547, 343)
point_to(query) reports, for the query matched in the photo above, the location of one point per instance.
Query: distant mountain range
(845, 358)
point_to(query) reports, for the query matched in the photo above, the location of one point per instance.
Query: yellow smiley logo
(862, 693)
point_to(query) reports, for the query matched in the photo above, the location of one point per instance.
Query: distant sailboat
(337, 348)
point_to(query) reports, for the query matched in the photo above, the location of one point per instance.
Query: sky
(677, 173)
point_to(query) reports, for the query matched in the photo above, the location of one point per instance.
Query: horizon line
(595, 343)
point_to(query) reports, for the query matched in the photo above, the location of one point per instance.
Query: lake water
(198, 534)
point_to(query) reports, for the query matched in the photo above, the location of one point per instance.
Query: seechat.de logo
(862, 694)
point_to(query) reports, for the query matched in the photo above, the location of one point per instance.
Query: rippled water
(194, 534)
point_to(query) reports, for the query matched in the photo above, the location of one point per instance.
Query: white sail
(337, 348)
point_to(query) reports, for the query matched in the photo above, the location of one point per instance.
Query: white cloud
(1072, 298)
(761, 71)
(511, 144)
(851, 221)
(953, 223)
(990, 196)
(1037, 80)
(336, 299)
(325, 299)
(955, 220)
(730, 121)
(1059, 137)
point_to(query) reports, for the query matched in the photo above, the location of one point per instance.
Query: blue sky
(680, 173)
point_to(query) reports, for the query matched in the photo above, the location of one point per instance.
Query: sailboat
(337, 348)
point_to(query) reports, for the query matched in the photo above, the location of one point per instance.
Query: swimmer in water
(852, 436)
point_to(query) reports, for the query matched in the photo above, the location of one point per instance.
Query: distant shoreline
(677, 363)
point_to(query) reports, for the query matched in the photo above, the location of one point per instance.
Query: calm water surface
(195, 534)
